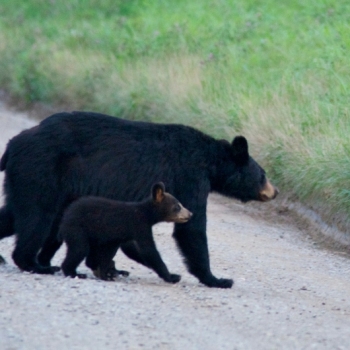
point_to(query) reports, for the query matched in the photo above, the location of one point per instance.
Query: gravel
(288, 294)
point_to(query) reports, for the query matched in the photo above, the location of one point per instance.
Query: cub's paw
(74, 275)
(123, 273)
(105, 275)
(97, 273)
(174, 278)
(113, 272)
(110, 274)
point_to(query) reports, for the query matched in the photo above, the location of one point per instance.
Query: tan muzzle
(269, 192)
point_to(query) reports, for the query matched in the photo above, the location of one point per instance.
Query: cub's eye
(177, 208)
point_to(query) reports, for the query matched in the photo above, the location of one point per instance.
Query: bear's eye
(262, 179)
(177, 208)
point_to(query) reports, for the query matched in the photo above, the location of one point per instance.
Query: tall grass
(277, 72)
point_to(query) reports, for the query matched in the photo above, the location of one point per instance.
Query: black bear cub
(94, 227)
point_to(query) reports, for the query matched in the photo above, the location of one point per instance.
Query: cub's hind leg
(77, 249)
(106, 267)
(98, 254)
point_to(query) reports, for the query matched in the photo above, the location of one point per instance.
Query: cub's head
(168, 208)
(240, 176)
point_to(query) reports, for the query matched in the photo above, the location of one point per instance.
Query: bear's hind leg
(51, 245)
(6, 222)
(31, 234)
(6, 226)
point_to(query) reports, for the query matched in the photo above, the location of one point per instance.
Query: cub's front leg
(153, 260)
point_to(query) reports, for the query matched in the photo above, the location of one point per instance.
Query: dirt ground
(289, 292)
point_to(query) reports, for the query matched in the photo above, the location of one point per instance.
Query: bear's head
(240, 176)
(168, 208)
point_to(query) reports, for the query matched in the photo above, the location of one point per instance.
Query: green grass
(277, 72)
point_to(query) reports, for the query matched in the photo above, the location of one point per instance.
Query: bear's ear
(224, 142)
(240, 150)
(158, 190)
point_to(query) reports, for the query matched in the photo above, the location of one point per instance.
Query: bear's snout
(269, 192)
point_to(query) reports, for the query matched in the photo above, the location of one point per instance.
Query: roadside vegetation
(277, 72)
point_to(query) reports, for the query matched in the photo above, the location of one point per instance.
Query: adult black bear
(69, 155)
(94, 228)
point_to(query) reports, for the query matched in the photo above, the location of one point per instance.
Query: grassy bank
(276, 72)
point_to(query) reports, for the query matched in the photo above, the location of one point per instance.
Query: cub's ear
(158, 190)
(240, 150)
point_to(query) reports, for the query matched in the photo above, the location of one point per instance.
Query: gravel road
(288, 292)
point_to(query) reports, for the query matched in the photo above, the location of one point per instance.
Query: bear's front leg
(192, 241)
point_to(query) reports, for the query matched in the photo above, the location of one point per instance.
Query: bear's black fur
(94, 227)
(69, 155)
